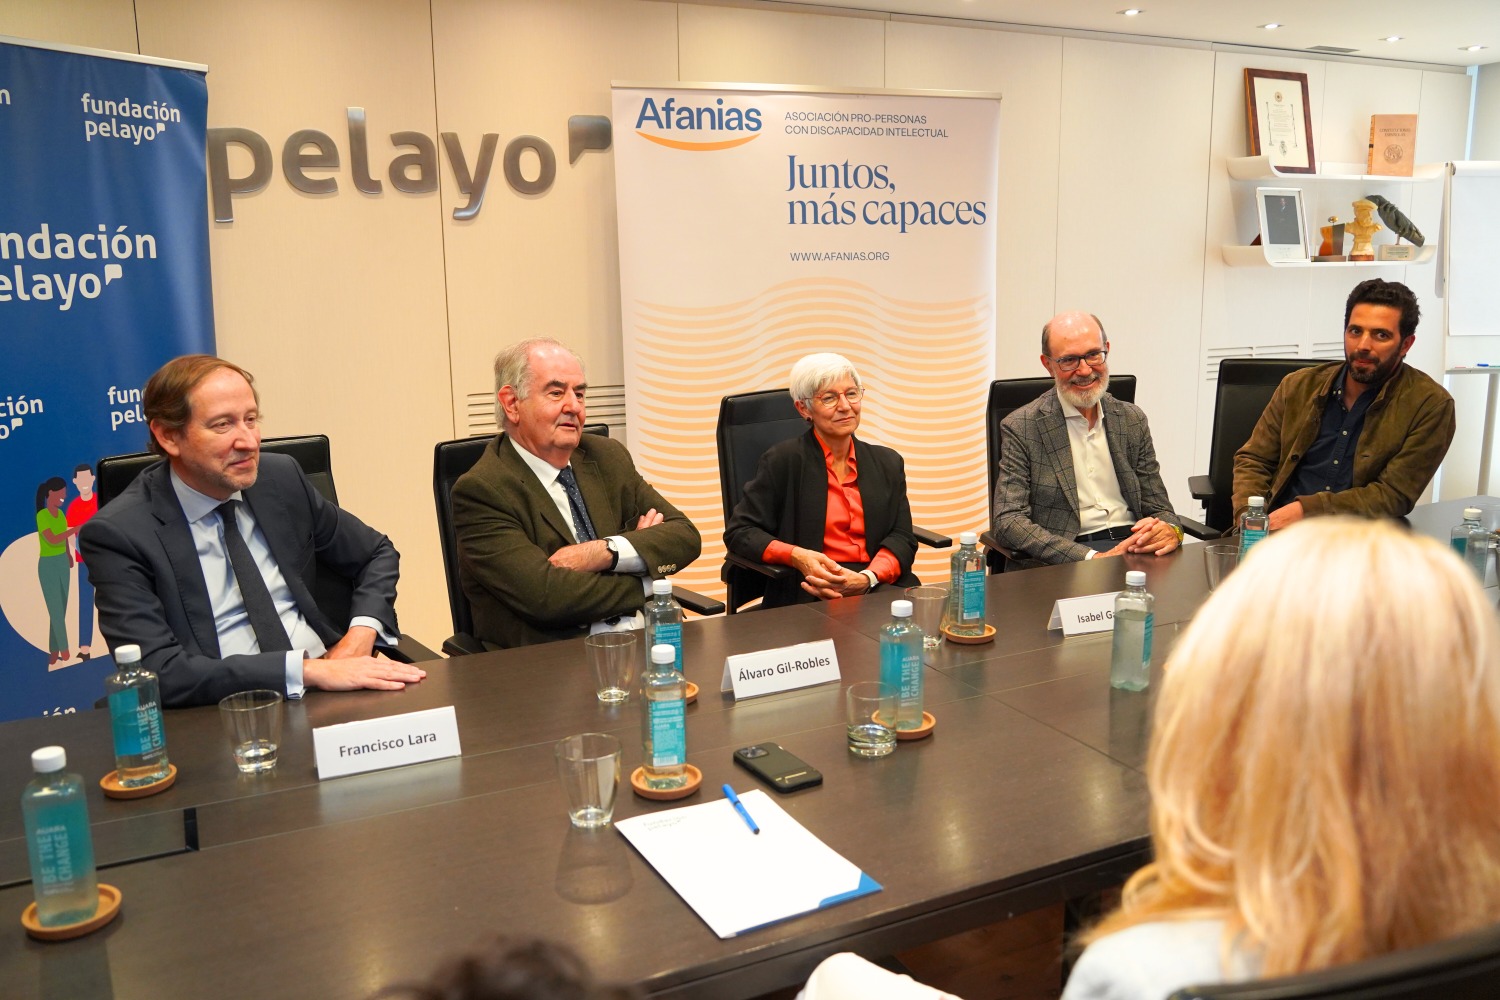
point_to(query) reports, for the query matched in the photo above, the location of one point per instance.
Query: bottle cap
(1135, 578)
(49, 759)
(901, 609)
(1261, 502)
(967, 538)
(1472, 513)
(659, 587)
(127, 654)
(662, 653)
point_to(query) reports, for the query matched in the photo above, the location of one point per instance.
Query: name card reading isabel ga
(1082, 615)
(784, 669)
(394, 741)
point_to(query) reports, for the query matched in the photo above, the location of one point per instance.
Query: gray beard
(1084, 399)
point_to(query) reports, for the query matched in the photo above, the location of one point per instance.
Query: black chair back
(451, 459)
(749, 423)
(1461, 968)
(1245, 387)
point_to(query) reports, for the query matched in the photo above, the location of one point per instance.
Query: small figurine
(1362, 228)
(1397, 220)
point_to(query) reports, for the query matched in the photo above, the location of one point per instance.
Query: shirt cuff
(630, 562)
(778, 553)
(885, 566)
(294, 658)
(386, 639)
(1091, 554)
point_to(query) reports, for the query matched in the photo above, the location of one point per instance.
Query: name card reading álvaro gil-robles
(394, 741)
(1082, 615)
(784, 669)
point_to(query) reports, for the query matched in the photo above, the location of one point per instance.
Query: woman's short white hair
(818, 370)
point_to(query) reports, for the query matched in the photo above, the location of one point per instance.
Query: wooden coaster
(971, 640)
(690, 694)
(114, 790)
(921, 732)
(638, 785)
(109, 908)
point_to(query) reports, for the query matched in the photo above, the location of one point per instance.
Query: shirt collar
(544, 471)
(828, 455)
(196, 506)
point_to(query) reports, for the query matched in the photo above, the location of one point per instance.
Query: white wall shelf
(1255, 256)
(1258, 168)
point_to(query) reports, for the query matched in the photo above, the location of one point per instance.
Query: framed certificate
(1283, 230)
(1276, 106)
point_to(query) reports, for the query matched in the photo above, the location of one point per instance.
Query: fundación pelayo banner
(103, 276)
(757, 226)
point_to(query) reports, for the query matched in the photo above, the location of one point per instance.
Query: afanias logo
(699, 128)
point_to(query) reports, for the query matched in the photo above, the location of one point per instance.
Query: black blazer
(788, 500)
(150, 589)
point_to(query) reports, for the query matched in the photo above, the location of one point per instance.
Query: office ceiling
(1431, 31)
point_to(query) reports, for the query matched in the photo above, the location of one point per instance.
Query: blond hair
(1325, 764)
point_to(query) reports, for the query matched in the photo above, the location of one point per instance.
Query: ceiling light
(1272, 26)
(1473, 48)
(1130, 11)
(1392, 38)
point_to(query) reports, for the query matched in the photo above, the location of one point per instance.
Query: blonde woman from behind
(1324, 769)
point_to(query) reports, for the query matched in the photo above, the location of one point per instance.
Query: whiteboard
(1471, 248)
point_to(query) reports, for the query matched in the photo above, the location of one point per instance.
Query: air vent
(1216, 354)
(606, 405)
(1337, 50)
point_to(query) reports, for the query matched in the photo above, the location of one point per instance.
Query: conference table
(1029, 792)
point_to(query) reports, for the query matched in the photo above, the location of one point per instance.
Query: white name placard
(394, 741)
(784, 669)
(1082, 615)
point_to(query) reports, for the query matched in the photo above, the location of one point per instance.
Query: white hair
(817, 370)
(513, 368)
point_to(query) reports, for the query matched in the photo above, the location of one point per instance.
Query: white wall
(373, 317)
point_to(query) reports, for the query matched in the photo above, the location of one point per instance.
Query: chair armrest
(1200, 530)
(989, 541)
(462, 644)
(1202, 488)
(407, 650)
(932, 539)
(773, 571)
(698, 604)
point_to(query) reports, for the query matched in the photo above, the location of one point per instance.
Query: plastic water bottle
(664, 620)
(1253, 525)
(1130, 657)
(58, 841)
(966, 588)
(901, 665)
(1472, 542)
(135, 716)
(664, 723)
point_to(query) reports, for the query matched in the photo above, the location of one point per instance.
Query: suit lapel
(267, 502)
(541, 500)
(874, 491)
(177, 541)
(1055, 442)
(812, 506)
(1117, 434)
(602, 504)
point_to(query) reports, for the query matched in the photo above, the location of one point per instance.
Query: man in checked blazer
(1078, 475)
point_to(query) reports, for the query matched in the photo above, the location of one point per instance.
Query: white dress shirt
(1100, 502)
(231, 621)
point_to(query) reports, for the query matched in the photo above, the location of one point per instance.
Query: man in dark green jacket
(1364, 436)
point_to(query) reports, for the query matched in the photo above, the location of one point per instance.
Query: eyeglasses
(1070, 363)
(828, 400)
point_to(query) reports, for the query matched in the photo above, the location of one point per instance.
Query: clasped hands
(826, 579)
(1149, 535)
(594, 557)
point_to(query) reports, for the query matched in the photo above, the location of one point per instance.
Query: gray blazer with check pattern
(1036, 494)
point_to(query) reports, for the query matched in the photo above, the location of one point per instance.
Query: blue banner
(104, 275)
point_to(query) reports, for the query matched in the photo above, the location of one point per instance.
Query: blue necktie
(259, 607)
(583, 528)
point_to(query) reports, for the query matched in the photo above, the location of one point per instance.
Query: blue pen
(739, 807)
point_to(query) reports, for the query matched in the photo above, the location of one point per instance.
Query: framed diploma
(1283, 231)
(1276, 106)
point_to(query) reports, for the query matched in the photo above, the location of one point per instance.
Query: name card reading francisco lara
(394, 741)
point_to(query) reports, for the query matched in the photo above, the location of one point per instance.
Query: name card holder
(1082, 615)
(768, 671)
(394, 741)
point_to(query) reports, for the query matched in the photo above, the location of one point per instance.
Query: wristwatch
(614, 555)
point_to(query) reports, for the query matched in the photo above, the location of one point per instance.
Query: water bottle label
(671, 635)
(668, 732)
(1150, 631)
(973, 609)
(910, 688)
(1249, 538)
(54, 858)
(1460, 544)
(137, 728)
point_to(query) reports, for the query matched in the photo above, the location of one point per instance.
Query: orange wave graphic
(696, 147)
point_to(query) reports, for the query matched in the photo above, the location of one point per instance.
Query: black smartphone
(771, 763)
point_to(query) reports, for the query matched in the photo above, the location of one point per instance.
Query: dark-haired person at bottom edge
(829, 506)
(207, 561)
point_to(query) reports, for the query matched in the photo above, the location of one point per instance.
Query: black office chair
(750, 423)
(1245, 387)
(333, 591)
(1007, 395)
(451, 459)
(1461, 968)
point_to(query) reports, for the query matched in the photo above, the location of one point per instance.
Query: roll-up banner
(757, 226)
(104, 275)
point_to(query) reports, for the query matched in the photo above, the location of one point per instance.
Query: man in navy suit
(208, 560)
